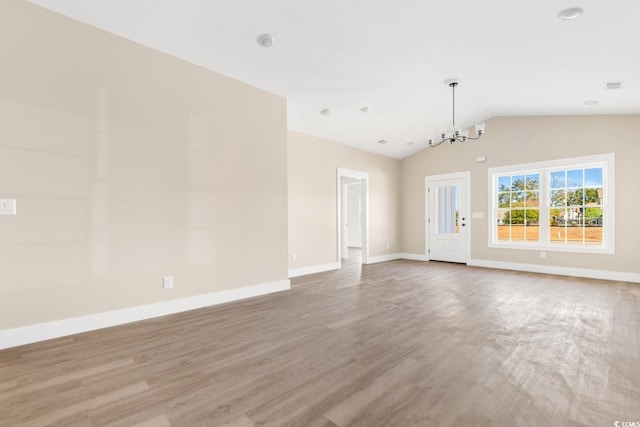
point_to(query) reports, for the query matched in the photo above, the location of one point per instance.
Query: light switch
(167, 282)
(7, 206)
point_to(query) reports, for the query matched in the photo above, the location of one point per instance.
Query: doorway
(352, 221)
(353, 213)
(447, 223)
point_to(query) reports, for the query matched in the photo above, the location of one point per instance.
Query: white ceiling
(510, 57)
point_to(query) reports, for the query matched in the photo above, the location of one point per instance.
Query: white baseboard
(303, 271)
(320, 268)
(60, 328)
(391, 257)
(563, 271)
(382, 258)
(414, 257)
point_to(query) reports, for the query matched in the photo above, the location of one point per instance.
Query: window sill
(598, 250)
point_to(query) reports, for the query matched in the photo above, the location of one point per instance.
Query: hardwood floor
(394, 344)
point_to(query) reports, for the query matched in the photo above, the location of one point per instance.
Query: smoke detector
(570, 14)
(266, 40)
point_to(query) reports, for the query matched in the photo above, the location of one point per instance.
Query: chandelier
(456, 135)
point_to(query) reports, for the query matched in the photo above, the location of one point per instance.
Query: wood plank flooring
(400, 343)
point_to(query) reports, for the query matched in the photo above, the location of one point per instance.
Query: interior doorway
(353, 214)
(353, 222)
(447, 223)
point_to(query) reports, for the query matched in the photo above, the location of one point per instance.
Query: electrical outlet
(7, 206)
(167, 282)
(543, 255)
(294, 257)
(388, 246)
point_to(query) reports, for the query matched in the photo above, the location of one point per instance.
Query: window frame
(544, 168)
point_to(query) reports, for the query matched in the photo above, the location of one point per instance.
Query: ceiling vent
(382, 141)
(613, 85)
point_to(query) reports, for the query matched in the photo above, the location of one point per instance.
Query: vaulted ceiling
(393, 57)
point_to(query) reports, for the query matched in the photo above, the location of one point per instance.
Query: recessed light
(382, 141)
(325, 112)
(266, 40)
(571, 13)
(613, 85)
(365, 110)
(590, 102)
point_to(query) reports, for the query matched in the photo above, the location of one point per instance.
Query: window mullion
(544, 207)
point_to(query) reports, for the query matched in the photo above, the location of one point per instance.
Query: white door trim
(466, 176)
(364, 177)
(344, 254)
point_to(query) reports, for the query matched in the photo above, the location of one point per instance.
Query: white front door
(447, 219)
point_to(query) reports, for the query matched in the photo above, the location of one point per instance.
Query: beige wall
(515, 140)
(128, 165)
(313, 201)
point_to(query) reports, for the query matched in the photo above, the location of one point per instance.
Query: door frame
(364, 223)
(466, 177)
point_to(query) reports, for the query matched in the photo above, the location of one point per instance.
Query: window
(448, 213)
(518, 213)
(562, 205)
(575, 206)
